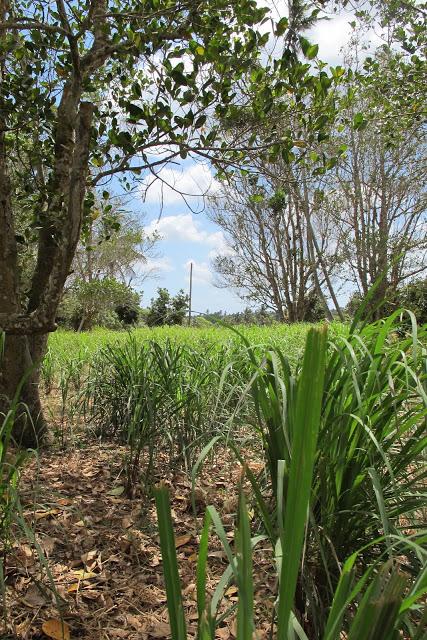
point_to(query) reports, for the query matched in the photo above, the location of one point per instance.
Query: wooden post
(191, 291)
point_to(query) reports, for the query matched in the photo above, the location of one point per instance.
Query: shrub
(412, 297)
(166, 310)
(106, 302)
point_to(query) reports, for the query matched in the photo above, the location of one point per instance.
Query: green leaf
(312, 51)
(281, 26)
(170, 564)
(309, 50)
(256, 198)
(359, 121)
(306, 428)
(200, 121)
(378, 611)
(245, 609)
(201, 568)
(179, 77)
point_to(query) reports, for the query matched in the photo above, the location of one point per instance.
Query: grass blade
(170, 564)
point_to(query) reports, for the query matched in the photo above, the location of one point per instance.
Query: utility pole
(191, 291)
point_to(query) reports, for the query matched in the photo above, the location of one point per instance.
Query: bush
(106, 302)
(414, 297)
(343, 438)
(166, 310)
(314, 310)
(368, 467)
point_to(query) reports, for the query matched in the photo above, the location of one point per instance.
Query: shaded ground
(102, 571)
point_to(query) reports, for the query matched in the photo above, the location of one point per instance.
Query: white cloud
(172, 185)
(187, 228)
(331, 36)
(155, 265)
(335, 35)
(201, 271)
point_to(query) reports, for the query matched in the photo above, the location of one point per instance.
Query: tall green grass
(344, 436)
(167, 399)
(72, 364)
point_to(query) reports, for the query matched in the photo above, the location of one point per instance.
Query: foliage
(368, 471)
(157, 398)
(167, 310)
(105, 302)
(411, 296)
(281, 247)
(82, 369)
(115, 245)
(314, 308)
(248, 316)
(67, 348)
(118, 95)
(121, 88)
(369, 596)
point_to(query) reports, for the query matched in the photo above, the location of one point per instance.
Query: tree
(179, 308)
(91, 90)
(166, 310)
(159, 310)
(269, 227)
(113, 245)
(377, 196)
(412, 297)
(102, 301)
(112, 253)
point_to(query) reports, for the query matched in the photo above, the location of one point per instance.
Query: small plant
(155, 397)
(10, 464)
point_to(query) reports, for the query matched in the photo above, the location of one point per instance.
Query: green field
(68, 346)
(329, 449)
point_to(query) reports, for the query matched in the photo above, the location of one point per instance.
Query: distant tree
(280, 248)
(159, 309)
(110, 255)
(377, 199)
(113, 245)
(249, 315)
(178, 308)
(411, 296)
(167, 310)
(103, 301)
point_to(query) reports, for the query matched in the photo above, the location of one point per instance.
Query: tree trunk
(21, 362)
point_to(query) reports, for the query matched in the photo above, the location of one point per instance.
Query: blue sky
(192, 237)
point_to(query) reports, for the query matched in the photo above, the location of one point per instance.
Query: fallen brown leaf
(180, 541)
(56, 629)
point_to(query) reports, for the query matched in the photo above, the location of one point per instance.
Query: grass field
(68, 346)
(308, 509)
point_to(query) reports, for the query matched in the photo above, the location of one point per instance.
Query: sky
(189, 237)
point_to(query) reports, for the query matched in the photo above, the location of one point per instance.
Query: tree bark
(21, 363)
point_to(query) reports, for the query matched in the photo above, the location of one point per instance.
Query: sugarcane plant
(374, 592)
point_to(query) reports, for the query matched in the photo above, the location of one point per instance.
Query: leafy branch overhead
(124, 87)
